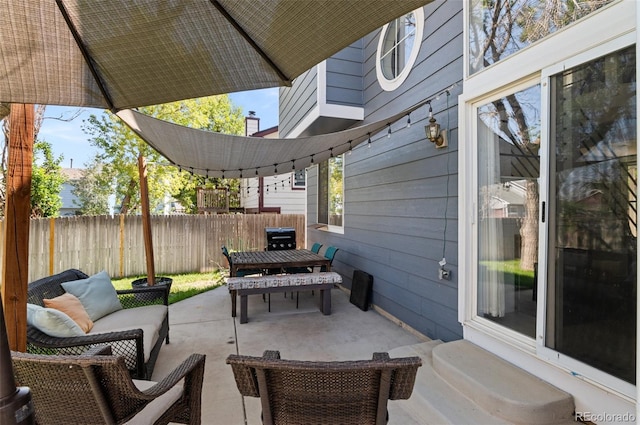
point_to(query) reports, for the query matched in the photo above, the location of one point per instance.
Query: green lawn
(523, 277)
(184, 285)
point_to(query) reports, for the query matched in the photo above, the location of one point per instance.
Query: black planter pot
(159, 281)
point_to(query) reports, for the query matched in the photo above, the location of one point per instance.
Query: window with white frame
(500, 29)
(398, 49)
(331, 191)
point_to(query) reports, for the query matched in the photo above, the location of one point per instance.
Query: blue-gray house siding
(344, 76)
(401, 194)
(297, 101)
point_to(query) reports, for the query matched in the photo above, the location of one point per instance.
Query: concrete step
(500, 388)
(470, 385)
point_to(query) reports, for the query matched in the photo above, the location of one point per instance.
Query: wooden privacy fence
(181, 243)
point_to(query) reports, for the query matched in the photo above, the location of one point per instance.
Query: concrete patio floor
(203, 324)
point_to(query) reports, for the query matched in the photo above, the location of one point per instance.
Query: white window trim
(617, 23)
(332, 228)
(390, 85)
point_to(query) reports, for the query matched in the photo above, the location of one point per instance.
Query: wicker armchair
(309, 392)
(98, 389)
(129, 343)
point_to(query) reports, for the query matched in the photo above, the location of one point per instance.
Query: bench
(248, 285)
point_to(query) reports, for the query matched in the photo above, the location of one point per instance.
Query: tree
(120, 148)
(92, 192)
(46, 181)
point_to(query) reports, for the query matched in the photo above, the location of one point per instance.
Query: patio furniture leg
(243, 308)
(325, 297)
(234, 296)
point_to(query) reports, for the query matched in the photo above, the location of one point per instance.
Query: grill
(280, 238)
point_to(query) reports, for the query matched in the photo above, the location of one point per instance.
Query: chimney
(71, 161)
(251, 124)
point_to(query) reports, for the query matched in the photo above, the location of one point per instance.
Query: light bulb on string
(350, 148)
(408, 120)
(369, 141)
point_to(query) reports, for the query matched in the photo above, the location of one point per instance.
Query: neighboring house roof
(268, 132)
(71, 174)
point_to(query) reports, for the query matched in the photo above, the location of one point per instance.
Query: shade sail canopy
(119, 54)
(223, 155)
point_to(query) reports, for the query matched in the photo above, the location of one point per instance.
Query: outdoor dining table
(290, 258)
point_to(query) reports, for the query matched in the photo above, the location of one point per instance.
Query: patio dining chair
(98, 389)
(330, 254)
(239, 273)
(313, 393)
(315, 249)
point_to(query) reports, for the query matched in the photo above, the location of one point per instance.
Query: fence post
(52, 239)
(121, 262)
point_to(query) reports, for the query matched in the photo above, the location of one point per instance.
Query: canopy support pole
(15, 265)
(146, 220)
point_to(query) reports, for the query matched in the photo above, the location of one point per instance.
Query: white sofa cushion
(148, 318)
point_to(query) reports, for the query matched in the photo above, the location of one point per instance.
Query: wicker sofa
(135, 332)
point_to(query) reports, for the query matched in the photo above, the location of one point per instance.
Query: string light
(345, 147)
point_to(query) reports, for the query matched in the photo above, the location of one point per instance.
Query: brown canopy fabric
(217, 155)
(119, 54)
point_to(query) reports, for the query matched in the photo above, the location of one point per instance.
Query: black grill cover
(280, 238)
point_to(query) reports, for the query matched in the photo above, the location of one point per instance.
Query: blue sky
(68, 139)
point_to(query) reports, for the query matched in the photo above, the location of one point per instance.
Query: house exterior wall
(402, 196)
(344, 76)
(297, 101)
(69, 205)
(400, 210)
(274, 193)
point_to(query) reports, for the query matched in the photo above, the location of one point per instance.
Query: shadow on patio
(203, 324)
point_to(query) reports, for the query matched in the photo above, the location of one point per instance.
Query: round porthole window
(398, 49)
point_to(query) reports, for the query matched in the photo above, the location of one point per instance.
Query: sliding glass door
(591, 288)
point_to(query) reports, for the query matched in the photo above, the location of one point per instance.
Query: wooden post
(52, 244)
(146, 220)
(121, 245)
(15, 265)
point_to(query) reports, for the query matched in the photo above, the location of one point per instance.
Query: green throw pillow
(52, 322)
(96, 293)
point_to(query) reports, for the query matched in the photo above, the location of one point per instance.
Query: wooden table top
(274, 259)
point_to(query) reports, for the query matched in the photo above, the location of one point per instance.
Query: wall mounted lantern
(433, 132)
